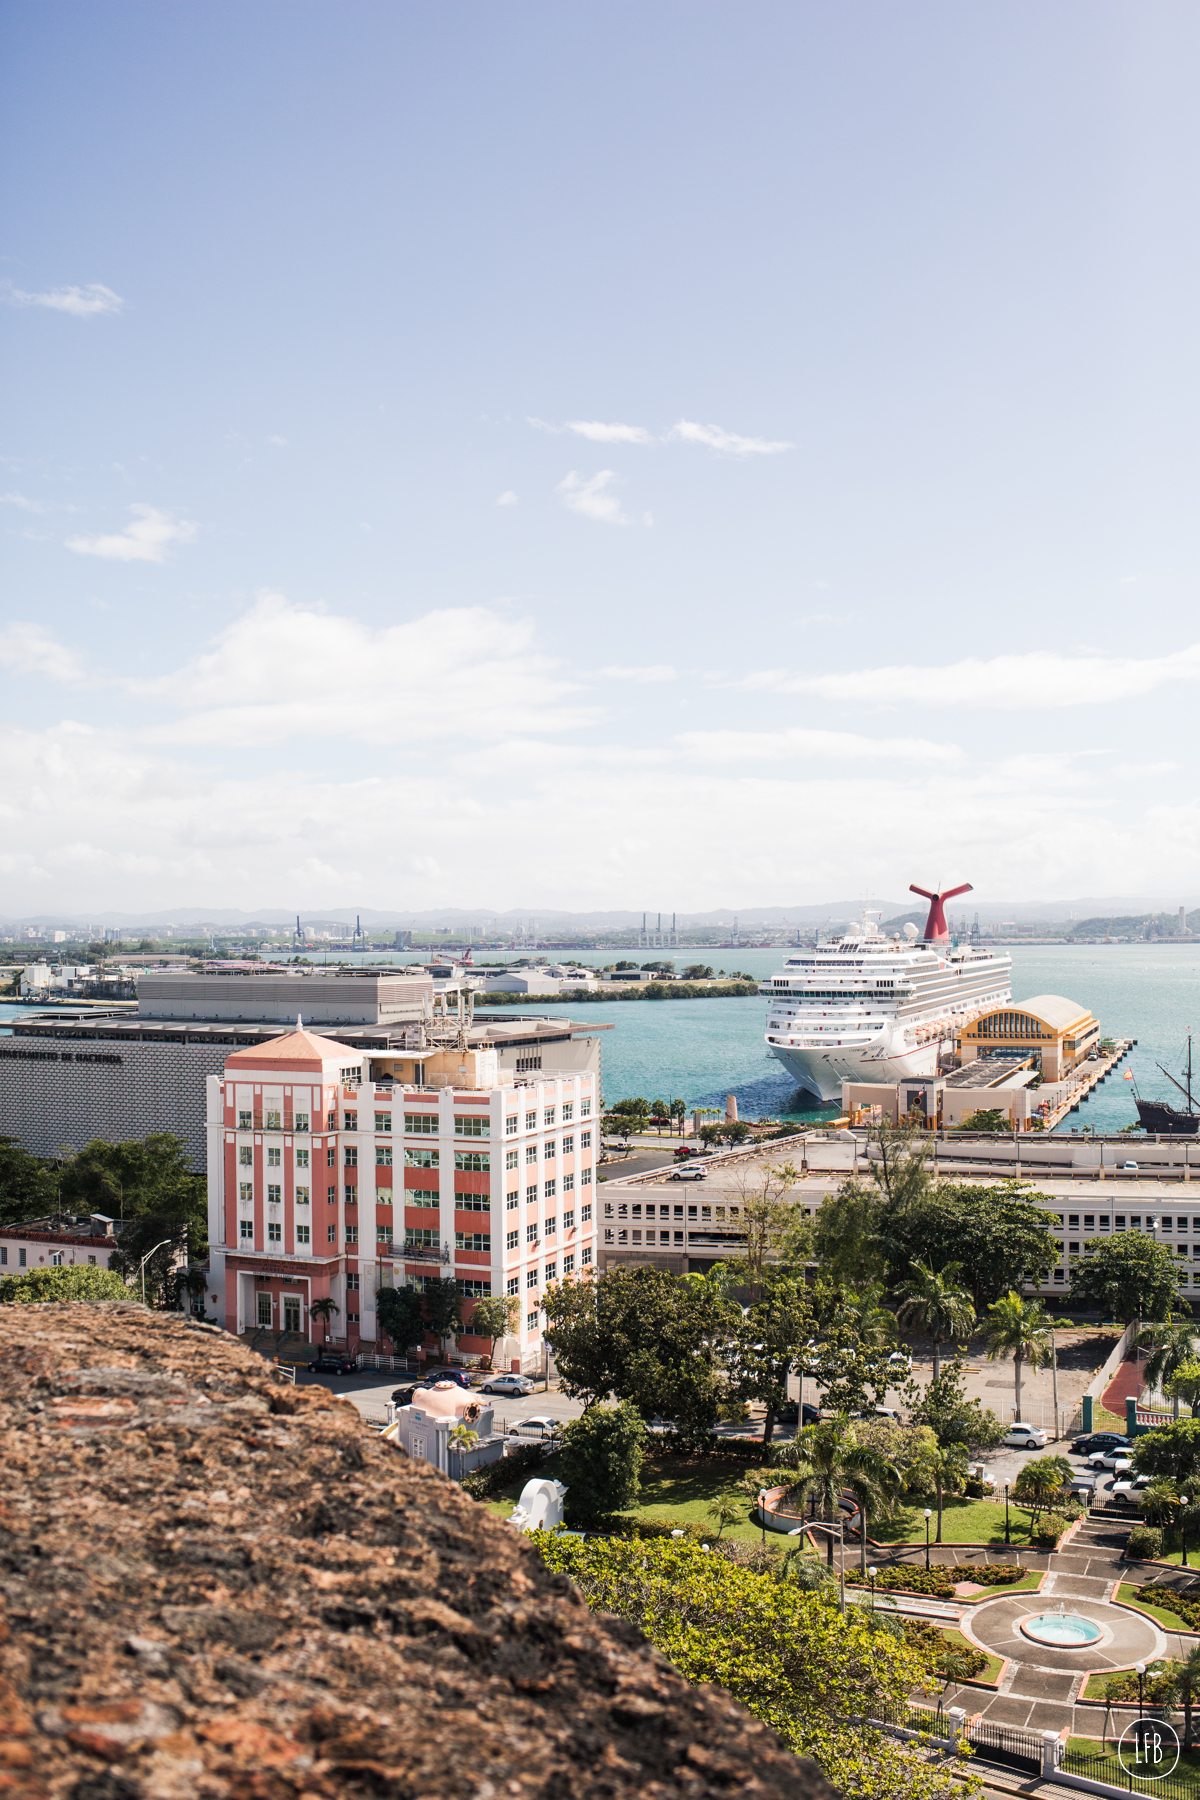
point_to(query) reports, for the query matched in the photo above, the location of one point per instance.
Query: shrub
(906, 1580)
(489, 1480)
(939, 1649)
(1145, 1542)
(1049, 1529)
(984, 1574)
(1157, 1684)
(601, 1461)
(1185, 1605)
(81, 1282)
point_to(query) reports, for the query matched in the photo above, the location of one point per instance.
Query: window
(477, 1160)
(352, 1156)
(422, 1196)
(274, 1159)
(274, 1193)
(473, 1289)
(510, 1126)
(416, 1238)
(548, 1115)
(531, 1279)
(472, 1240)
(585, 1215)
(92, 1260)
(473, 1202)
(1058, 1275)
(245, 1190)
(331, 1233)
(1119, 1221)
(568, 1265)
(550, 1147)
(551, 1272)
(679, 1211)
(352, 1284)
(568, 1184)
(568, 1111)
(608, 1236)
(422, 1158)
(585, 1178)
(622, 1236)
(514, 1284)
(421, 1124)
(472, 1127)
(274, 1232)
(300, 1122)
(513, 1200)
(350, 1121)
(585, 1140)
(531, 1153)
(637, 1237)
(331, 1157)
(351, 1196)
(274, 1121)
(551, 1224)
(549, 1190)
(623, 1212)
(531, 1121)
(679, 1237)
(1135, 1221)
(568, 1221)
(246, 1156)
(608, 1209)
(512, 1159)
(691, 1213)
(531, 1320)
(383, 1121)
(331, 1122)
(531, 1232)
(664, 1237)
(383, 1234)
(352, 1234)
(246, 1232)
(568, 1146)
(244, 1121)
(1073, 1221)
(303, 1234)
(331, 1196)
(531, 1195)
(1089, 1222)
(512, 1240)
(585, 1109)
(302, 1159)
(1073, 1249)
(383, 1156)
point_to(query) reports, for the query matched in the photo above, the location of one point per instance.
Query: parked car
(403, 1396)
(514, 1386)
(790, 1414)
(1127, 1490)
(689, 1175)
(900, 1363)
(1117, 1457)
(542, 1426)
(1099, 1440)
(1081, 1487)
(459, 1377)
(1024, 1437)
(331, 1362)
(1130, 1165)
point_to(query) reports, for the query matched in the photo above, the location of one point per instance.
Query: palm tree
(938, 1305)
(1185, 1686)
(828, 1459)
(1185, 1385)
(863, 1308)
(1017, 1328)
(321, 1309)
(873, 1484)
(947, 1465)
(1172, 1345)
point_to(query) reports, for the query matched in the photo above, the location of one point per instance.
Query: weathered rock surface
(216, 1584)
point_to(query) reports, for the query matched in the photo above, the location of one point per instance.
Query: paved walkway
(1126, 1384)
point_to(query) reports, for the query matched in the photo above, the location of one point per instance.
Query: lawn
(1128, 1593)
(1188, 1771)
(963, 1522)
(989, 1676)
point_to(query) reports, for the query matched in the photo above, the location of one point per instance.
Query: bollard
(1050, 1749)
(958, 1718)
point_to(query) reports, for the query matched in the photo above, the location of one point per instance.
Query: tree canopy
(1127, 1276)
(601, 1461)
(80, 1281)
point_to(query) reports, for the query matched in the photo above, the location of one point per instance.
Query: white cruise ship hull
(822, 1072)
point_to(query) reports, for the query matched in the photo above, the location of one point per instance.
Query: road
(370, 1390)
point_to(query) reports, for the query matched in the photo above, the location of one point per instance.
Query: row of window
(664, 1237)
(623, 1211)
(549, 1273)
(1120, 1222)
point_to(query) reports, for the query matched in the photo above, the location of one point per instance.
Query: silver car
(515, 1386)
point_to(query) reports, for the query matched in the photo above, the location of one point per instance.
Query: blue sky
(597, 455)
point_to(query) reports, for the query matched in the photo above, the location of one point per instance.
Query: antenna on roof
(299, 1023)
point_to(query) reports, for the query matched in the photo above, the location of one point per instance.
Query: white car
(1130, 1165)
(1115, 1458)
(688, 1175)
(541, 1425)
(1024, 1437)
(1127, 1490)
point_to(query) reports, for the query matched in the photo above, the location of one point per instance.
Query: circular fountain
(1062, 1629)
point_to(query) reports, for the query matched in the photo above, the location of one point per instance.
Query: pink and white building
(333, 1172)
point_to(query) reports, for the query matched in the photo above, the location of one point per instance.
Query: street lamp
(820, 1525)
(145, 1260)
(1007, 1538)
(1141, 1672)
(871, 1578)
(928, 1516)
(762, 1515)
(1183, 1502)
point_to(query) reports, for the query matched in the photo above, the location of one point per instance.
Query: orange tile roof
(298, 1049)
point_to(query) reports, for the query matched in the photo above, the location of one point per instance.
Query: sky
(597, 455)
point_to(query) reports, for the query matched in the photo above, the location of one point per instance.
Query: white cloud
(798, 743)
(647, 672)
(81, 302)
(717, 438)
(507, 498)
(147, 539)
(1036, 679)
(598, 433)
(26, 505)
(29, 649)
(280, 442)
(590, 499)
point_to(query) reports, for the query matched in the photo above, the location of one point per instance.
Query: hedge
(1185, 1606)
(489, 1480)
(910, 1581)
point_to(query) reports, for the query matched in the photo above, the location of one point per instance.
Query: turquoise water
(702, 1050)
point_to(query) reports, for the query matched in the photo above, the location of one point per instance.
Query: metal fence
(1106, 1768)
(903, 1716)
(1002, 1744)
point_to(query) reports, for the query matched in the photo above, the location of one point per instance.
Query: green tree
(1185, 1385)
(723, 1511)
(898, 1163)
(28, 1188)
(70, 1282)
(767, 1345)
(826, 1459)
(943, 1406)
(1185, 1689)
(1172, 1347)
(1039, 1483)
(678, 1111)
(441, 1305)
(698, 972)
(400, 1314)
(601, 1461)
(998, 1235)
(1173, 1452)
(947, 1469)
(322, 1309)
(936, 1303)
(846, 1239)
(990, 1119)
(495, 1318)
(776, 1231)
(147, 1256)
(1127, 1276)
(725, 1131)
(141, 1179)
(1017, 1328)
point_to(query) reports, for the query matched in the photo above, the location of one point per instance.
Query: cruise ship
(873, 1008)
